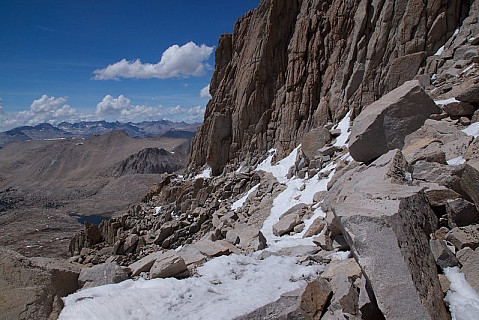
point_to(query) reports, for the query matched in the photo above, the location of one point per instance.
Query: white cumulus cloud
(126, 111)
(112, 106)
(46, 109)
(176, 62)
(205, 92)
(192, 114)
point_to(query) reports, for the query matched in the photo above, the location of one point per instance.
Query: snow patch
(439, 51)
(279, 170)
(468, 68)
(157, 210)
(456, 161)
(462, 298)
(345, 126)
(223, 291)
(341, 255)
(205, 174)
(472, 130)
(446, 101)
(239, 203)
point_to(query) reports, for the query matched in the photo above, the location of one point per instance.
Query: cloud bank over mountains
(176, 62)
(55, 110)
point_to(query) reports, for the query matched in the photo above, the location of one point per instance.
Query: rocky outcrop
(30, 288)
(273, 82)
(151, 161)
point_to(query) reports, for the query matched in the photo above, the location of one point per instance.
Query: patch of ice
(341, 255)
(456, 161)
(345, 126)
(439, 51)
(205, 174)
(467, 69)
(446, 101)
(222, 291)
(472, 130)
(239, 203)
(279, 170)
(462, 298)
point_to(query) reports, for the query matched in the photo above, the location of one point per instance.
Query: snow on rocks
(463, 300)
(223, 288)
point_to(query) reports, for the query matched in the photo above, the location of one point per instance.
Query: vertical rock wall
(293, 65)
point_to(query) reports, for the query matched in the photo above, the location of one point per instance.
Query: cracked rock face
(273, 82)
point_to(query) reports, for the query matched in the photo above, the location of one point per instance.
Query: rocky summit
(335, 176)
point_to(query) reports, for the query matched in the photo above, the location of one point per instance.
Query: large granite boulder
(30, 288)
(386, 224)
(384, 124)
(101, 274)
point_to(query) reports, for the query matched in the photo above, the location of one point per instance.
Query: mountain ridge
(86, 129)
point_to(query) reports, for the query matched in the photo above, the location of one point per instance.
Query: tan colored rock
(314, 140)
(101, 274)
(144, 264)
(30, 287)
(467, 91)
(454, 142)
(315, 228)
(462, 237)
(443, 256)
(379, 215)
(438, 195)
(469, 260)
(286, 224)
(470, 180)
(348, 267)
(384, 124)
(169, 264)
(211, 248)
(305, 303)
(459, 109)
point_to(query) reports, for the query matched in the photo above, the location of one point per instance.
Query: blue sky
(115, 60)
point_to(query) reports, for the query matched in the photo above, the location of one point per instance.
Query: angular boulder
(386, 225)
(462, 237)
(101, 274)
(469, 260)
(305, 303)
(144, 264)
(470, 180)
(169, 264)
(461, 213)
(442, 254)
(286, 224)
(313, 141)
(384, 124)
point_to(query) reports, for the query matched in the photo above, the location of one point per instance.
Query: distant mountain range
(86, 129)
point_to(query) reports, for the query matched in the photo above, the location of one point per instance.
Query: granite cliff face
(291, 66)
